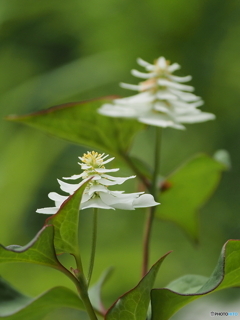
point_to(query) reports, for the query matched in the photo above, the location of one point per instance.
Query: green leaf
(188, 189)
(39, 251)
(134, 304)
(65, 222)
(79, 122)
(96, 290)
(166, 301)
(15, 306)
(10, 299)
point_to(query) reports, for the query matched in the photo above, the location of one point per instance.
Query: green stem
(94, 242)
(154, 192)
(79, 263)
(85, 298)
(146, 240)
(154, 186)
(80, 283)
(79, 278)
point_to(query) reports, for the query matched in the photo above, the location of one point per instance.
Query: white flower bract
(164, 100)
(97, 193)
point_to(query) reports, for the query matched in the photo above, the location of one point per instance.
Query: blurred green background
(54, 52)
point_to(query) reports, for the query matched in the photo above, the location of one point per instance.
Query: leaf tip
(223, 157)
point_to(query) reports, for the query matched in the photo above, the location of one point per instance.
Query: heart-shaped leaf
(135, 303)
(65, 222)
(39, 251)
(188, 189)
(79, 122)
(167, 301)
(15, 306)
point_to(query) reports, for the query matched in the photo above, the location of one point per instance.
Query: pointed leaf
(14, 305)
(188, 189)
(39, 251)
(224, 157)
(79, 122)
(10, 299)
(166, 301)
(134, 304)
(66, 222)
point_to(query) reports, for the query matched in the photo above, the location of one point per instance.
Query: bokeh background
(55, 51)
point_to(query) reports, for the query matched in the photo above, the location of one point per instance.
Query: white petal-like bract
(161, 95)
(97, 193)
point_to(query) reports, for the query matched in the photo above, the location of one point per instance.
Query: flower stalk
(150, 214)
(93, 248)
(78, 278)
(97, 194)
(83, 289)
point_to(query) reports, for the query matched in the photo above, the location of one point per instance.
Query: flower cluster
(96, 193)
(163, 101)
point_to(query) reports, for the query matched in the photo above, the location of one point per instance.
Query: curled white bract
(97, 193)
(164, 100)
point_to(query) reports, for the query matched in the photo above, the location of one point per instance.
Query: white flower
(96, 193)
(163, 101)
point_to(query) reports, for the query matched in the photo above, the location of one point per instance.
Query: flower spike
(97, 193)
(163, 99)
